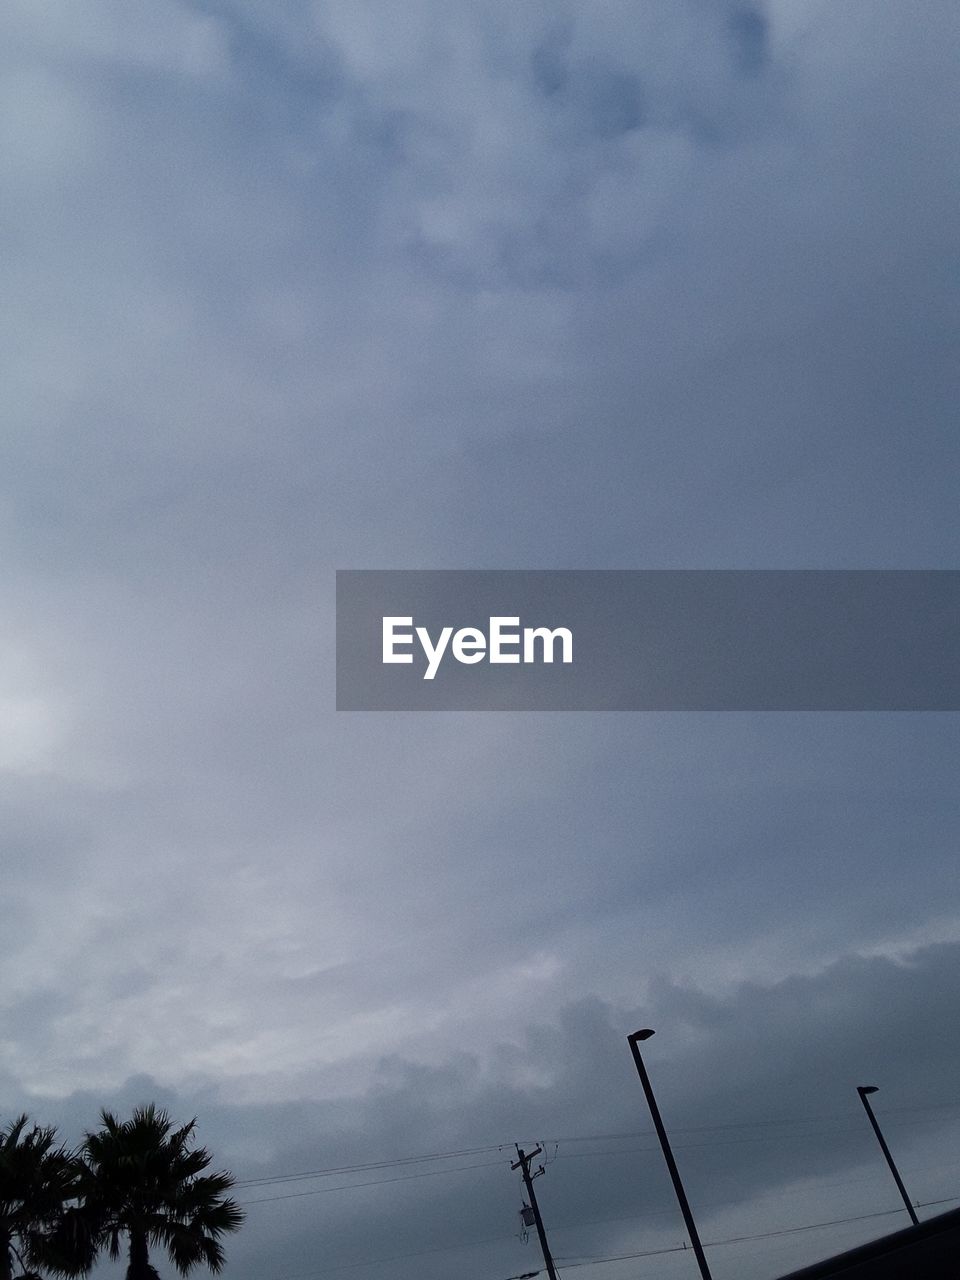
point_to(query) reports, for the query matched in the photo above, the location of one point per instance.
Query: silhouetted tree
(38, 1227)
(145, 1180)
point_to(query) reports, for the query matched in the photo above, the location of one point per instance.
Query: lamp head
(644, 1034)
(864, 1089)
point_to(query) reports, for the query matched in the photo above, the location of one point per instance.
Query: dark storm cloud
(775, 1107)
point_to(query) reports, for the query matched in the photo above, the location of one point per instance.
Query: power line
(580, 1261)
(762, 1235)
(332, 1170)
(377, 1182)
(401, 1161)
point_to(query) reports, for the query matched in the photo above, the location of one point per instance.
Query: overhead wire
(280, 1179)
(576, 1261)
(333, 1170)
(579, 1260)
(377, 1182)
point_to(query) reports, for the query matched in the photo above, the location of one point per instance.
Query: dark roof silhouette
(930, 1251)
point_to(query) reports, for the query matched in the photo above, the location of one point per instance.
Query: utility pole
(523, 1164)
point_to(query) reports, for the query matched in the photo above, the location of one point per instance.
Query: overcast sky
(291, 287)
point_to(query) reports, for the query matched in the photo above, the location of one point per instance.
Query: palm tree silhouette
(38, 1179)
(145, 1180)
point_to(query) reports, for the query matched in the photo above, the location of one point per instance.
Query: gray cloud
(757, 1086)
(304, 287)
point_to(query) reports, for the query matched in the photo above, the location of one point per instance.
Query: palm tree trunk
(6, 1261)
(139, 1267)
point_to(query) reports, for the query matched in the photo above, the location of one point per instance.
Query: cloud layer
(334, 285)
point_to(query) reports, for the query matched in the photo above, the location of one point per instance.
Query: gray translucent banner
(648, 640)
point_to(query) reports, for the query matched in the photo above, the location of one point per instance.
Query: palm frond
(145, 1180)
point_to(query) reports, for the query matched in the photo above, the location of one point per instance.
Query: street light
(863, 1090)
(645, 1034)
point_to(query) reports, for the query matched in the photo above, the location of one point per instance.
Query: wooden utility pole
(523, 1164)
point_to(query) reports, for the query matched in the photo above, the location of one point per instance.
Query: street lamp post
(863, 1090)
(633, 1040)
